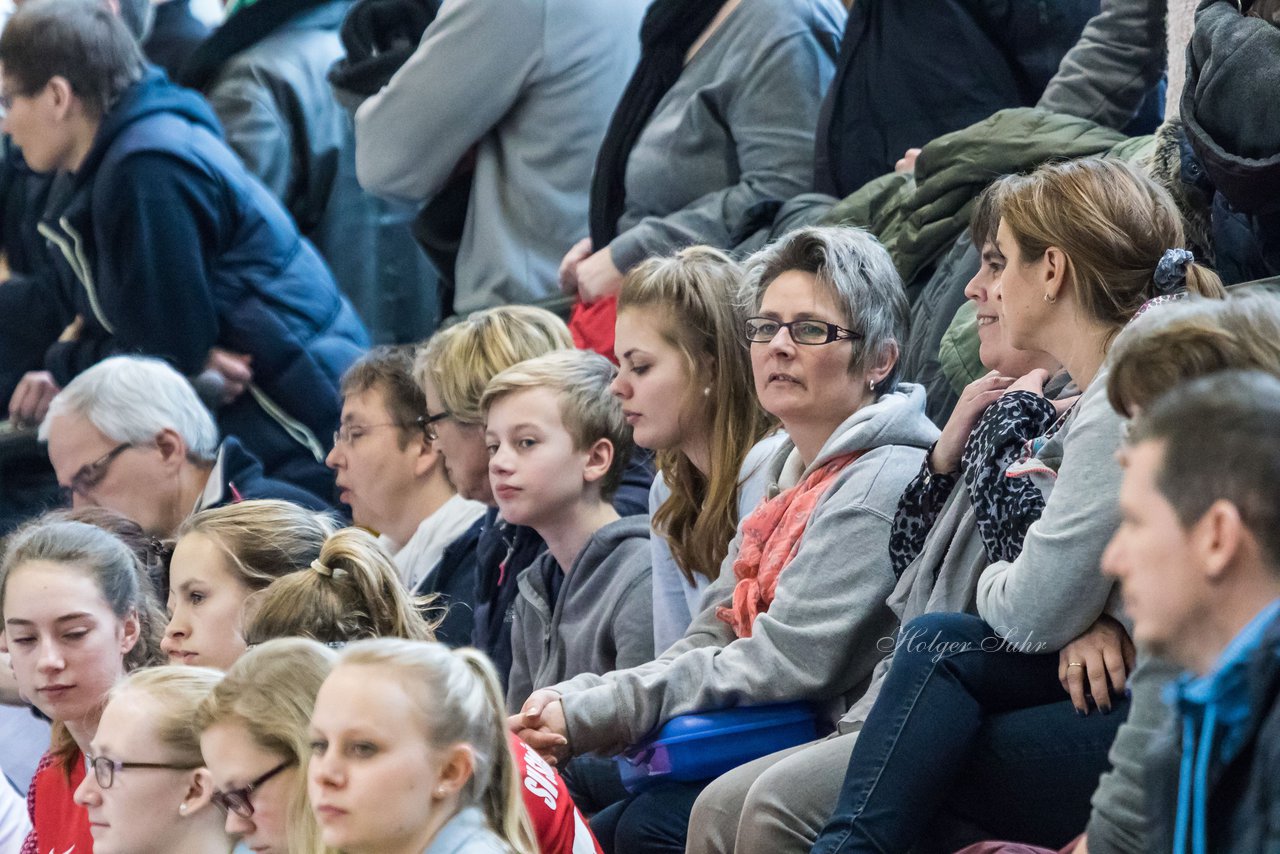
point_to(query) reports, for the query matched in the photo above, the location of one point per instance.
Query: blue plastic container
(705, 745)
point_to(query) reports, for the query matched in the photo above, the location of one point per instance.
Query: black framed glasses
(425, 422)
(89, 475)
(761, 330)
(237, 800)
(104, 769)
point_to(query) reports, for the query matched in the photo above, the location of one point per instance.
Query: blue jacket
(1214, 776)
(176, 249)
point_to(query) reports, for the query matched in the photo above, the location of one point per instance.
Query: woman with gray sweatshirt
(1087, 242)
(799, 605)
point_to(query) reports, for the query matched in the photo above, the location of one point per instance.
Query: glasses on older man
(762, 330)
(89, 475)
(237, 800)
(105, 770)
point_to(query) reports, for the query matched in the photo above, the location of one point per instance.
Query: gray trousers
(778, 803)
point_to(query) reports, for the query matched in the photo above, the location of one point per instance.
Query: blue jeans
(966, 728)
(656, 821)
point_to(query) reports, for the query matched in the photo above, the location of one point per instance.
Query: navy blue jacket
(454, 581)
(176, 249)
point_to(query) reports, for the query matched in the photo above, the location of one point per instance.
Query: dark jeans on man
(656, 821)
(968, 729)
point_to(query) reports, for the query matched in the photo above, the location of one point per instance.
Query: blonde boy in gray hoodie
(557, 445)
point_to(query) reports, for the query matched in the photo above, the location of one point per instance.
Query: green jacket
(917, 217)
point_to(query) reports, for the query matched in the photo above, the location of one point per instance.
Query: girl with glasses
(147, 790)
(77, 617)
(222, 556)
(253, 736)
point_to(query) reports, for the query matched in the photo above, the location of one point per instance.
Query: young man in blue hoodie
(170, 248)
(1198, 557)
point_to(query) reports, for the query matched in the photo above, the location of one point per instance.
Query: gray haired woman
(799, 605)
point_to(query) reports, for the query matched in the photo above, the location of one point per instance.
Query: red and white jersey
(558, 825)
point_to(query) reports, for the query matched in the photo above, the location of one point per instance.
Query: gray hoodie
(602, 619)
(818, 640)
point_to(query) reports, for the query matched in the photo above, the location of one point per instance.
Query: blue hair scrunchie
(1171, 272)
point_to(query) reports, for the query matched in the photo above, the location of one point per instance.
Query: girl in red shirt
(77, 617)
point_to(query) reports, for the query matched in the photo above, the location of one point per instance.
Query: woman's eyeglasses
(104, 769)
(762, 330)
(237, 800)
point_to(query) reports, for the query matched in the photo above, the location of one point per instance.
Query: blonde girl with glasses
(253, 736)
(147, 790)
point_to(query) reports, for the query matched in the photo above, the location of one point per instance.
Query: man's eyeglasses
(761, 330)
(104, 769)
(349, 433)
(237, 800)
(89, 475)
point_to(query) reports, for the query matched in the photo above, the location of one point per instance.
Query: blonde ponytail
(351, 591)
(460, 698)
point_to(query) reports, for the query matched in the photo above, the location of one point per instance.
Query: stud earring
(1049, 299)
(871, 385)
(706, 392)
(182, 808)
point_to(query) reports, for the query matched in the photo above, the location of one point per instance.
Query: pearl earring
(706, 392)
(182, 808)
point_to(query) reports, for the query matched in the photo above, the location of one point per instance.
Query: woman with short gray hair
(799, 604)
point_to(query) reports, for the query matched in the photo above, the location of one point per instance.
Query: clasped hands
(540, 724)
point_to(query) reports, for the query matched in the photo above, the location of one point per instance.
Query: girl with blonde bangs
(148, 789)
(253, 736)
(683, 379)
(222, 556)
(351, 591)
(396, 717)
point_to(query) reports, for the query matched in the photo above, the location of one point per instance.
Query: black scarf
(379, 37)
(670, 28)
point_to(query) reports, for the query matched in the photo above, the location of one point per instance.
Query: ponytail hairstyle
(178, 690)
(690, 296)
(1114, 225)
(270, 692)
(460, 701)
(262, 539)
(119, 577)
(351, 591)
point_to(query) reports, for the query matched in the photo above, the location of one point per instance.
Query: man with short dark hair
(393, 477)
(1198, 556)
(176, 250)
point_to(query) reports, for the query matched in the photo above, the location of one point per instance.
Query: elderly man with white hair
(129, 434)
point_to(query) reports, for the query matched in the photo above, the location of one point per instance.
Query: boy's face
(536, 473)
(1152, 555)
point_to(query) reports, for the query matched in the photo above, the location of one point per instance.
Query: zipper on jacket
(79, 263)
(296, 429)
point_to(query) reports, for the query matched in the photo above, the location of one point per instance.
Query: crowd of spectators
(460, 427)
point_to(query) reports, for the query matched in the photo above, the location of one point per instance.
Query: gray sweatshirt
(818, 640)
(1055, 590)
(530, 84)
(734, 131)
(602, 619)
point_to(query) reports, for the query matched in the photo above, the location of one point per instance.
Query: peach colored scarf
(770, 539)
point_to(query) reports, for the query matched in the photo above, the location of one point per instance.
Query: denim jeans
(966, 728)
(656, 821)
(594, 783)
